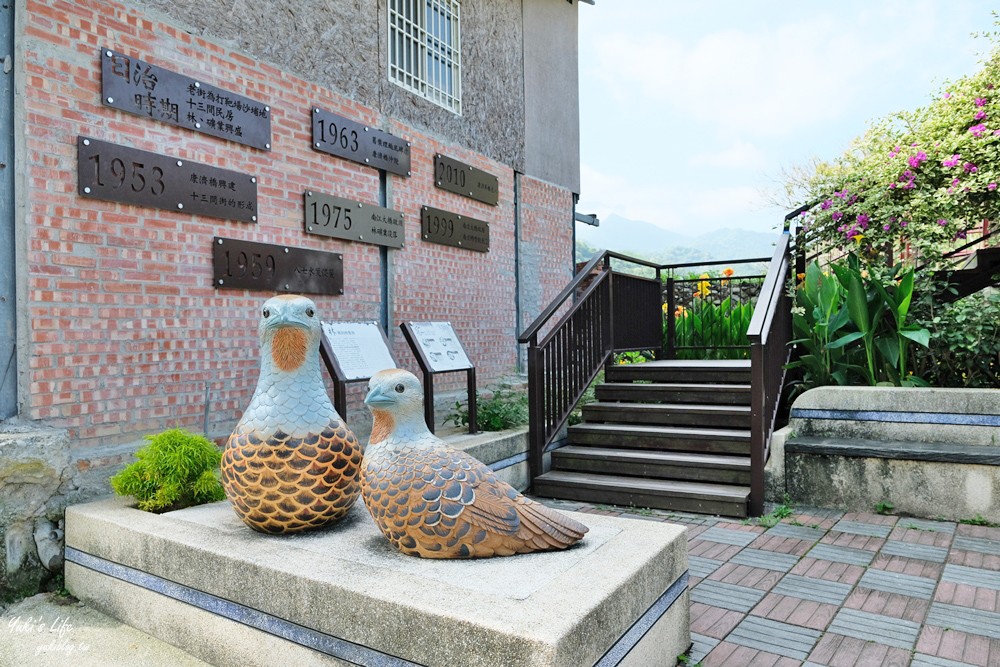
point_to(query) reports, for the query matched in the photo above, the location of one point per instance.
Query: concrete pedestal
(201, 580)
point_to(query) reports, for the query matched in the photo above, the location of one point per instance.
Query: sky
(690, 112)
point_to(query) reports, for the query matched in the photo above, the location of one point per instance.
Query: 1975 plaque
(351, 220)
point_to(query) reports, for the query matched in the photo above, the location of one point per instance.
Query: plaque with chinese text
(351, 220)
(118, 173)
(440, 346)
(142, 89)
(360, 348)
(357, 142)
(275, 268)
(466, 180)
(439, 226)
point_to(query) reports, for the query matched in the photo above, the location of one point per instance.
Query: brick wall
(125, 329)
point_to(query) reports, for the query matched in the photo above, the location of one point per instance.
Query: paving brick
(972, 576)
(974, 621)
(728, 536)
(713, 621)
(726, 596)
(767, 560)
(702, 567)
(921, 660)
(919, 551)
(797, 532)
(875, 628)
(701, 645)
(817, 590)
(860, 528)
(902, 584)
(946, 527)
(774, 637)
(842, 554)
(978, 544)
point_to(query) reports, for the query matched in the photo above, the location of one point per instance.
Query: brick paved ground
(837, 589)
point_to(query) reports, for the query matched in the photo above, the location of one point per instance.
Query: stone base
(199, 579)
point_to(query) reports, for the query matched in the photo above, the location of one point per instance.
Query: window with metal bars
(425, 50)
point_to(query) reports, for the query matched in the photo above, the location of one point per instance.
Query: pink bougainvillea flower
(942, 222)
(951, 161)
(909, 186)
(892, 186)
(970, 168)
(947, 96)
(955, 181)
(837, 215)
(885, 228)
(980, 115)
(977, 130)
(980, 101)
(991, 186)
(916, 160)
(825, 205)
(903, 223)
(863, 219)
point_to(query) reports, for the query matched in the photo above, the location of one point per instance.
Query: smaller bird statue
(291, 464)
(433, 501)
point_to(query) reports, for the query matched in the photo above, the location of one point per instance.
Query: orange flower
(727, 272)
(680, 312)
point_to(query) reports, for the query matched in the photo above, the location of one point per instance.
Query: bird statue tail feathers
(434, 501)
(291, 464)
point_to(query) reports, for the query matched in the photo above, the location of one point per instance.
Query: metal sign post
(438, 350)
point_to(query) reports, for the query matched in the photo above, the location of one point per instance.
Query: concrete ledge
(942, 452)
(345, 596)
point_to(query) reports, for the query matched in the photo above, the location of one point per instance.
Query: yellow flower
(703, 286)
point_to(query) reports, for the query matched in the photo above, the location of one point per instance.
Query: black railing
(770, 333)
(601, 311)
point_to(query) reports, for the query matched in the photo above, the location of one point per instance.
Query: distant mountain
(648, 241)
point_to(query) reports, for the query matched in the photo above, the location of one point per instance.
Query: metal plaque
(275, 268)
(360, 348)
(441, 347)
(351, 220)
(466, 180)
(439, 226)
(118, 173)
(355, 141)
(142, 89)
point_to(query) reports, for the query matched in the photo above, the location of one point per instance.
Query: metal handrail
(540, 321)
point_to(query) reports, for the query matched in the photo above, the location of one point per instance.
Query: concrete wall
(552, 93)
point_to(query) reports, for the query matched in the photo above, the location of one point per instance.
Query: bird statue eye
(400, 388)
(310, 312)
(267, 313)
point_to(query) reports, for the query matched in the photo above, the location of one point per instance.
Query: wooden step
(663, 438)
(669, 414)
(698, 497)
(724, 371)
(678, 392)
(653, 464)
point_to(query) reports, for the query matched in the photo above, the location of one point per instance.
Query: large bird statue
(291, 464)
(437, 502)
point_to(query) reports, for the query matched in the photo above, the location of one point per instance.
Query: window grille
(425, 50)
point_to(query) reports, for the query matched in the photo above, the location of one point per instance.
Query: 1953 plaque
(119, 173)
(355, 141)
(275, 268)
(466, 180)
(139, 88)
(461, 231)
(351, 220)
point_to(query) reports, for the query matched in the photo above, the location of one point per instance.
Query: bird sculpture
(434, 501)
(291, 464)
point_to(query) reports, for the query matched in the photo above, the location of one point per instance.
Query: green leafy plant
(715, 316)
(964, 346)
(176, 469)
(884, 507)
(504, 409)
(979, 520)
(774, 517)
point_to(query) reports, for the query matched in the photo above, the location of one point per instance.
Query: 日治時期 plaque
(274, 268)
(342, 218)
(131, 176)
(360, 143)
(142, 89)
(461, 231)
(466, 180)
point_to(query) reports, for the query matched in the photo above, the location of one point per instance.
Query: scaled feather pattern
(291, 464)
(434, 501)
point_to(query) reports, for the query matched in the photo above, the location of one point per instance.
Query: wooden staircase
(663, 434)
(978, 273)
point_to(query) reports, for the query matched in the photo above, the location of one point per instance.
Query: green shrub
(504, 409)
(176, 469)
(965, 343)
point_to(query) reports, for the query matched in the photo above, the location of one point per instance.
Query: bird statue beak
(284, 320)
(376, 399)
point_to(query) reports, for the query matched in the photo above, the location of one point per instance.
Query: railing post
(536, 410)
(758, 428)
(671, 351)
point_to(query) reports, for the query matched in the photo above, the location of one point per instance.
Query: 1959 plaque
(466, 180)
(355, 141)
(139, 88)
(119, 173)
(439, 226)
(275, 268)
(351, 220)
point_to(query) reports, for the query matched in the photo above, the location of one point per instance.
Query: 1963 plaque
(351, 220)
(139, 88)
(466, 180)
(355, 141)
(119, 173)
(439, 226)
(275, 268)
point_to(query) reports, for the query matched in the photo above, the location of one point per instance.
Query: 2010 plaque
(360, 143)
(351, 220)
(142, 89)
(466, 180)
(461, 231)
(131, 176)
(267, 267)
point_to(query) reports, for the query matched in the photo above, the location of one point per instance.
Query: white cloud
(729, 203)
(737, 155)
(603, 193)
